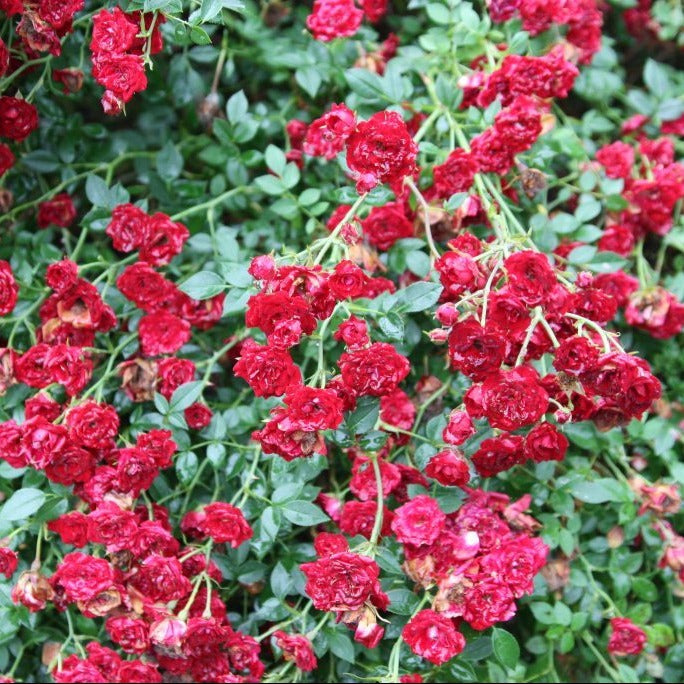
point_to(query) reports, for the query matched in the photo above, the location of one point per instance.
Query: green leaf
(275, 159)
(364, 416)
(22, 504)
(366, 84)
(97, 191)
(203, 285)
(600, 491)
(309, 78)
(304, 513)
(169, 162)
(341, 645)
(418, 296)
(506, 648)
(185, 396)
(236, 107)
(186, 466)
(656, 78)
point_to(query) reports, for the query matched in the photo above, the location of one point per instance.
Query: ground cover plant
(340, 341)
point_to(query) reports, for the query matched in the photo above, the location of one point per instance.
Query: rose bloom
(449, 468)
(296, 648)
(8, 289)
(18, 118)
(385, 225)
(343, 581)
(92, 425)
(162, 333)
(419, 521)
(433, 637)
(269, 371)
(326, 136)
(8, 561)
(225, 523)
(376, 370)
(626, 638)
(330, 19)
(381, 150)
(7, 158)
(59, 211)
(198, 415)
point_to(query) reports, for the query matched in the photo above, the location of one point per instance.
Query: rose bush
(339, 340)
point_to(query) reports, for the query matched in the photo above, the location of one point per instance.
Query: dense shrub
(339, 340)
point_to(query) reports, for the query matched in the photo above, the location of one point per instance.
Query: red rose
(225, 523)
(475, 351)
(397, 411)
(92, 425)
(42, 405)
(545, 443)
(112, 526)
(268, 310)
(347, 280)
(18, 118)
(173, 372)
(530, 276)
(129, 227)
(269, 371)
(458, 273)
(42, 442)
(8, 289)
(113, 32)
(487, 603)
(83, 577)
(512, 399)
(375, 9)
(198, 416)
(62, 275)
(375, 371)
(381, 150)
(132, 634)
(310, 409)
(146, 288)
(159, 445)
(358, 517)
(459, 427)
(456, 174)
(59, 211)
(327, 543)
(617, 159)
(330, 19)
(163, 241)
(326, 136)
(343, 581)
(71, 465)
(7, 159)
(122, 75)
(387, 224)
(296, 648)
(136, 469)
(626, 638)
(162, 333)
(433, 637)
(363, 484)
(161, 579)
(498, 454)
(419, 521)
(8, 562)
(72, 528)
(449, 468)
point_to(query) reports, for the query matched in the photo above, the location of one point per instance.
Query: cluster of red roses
(43, 23)
(330, 19)
(120, 45)
(146, 572)
(582, 18)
